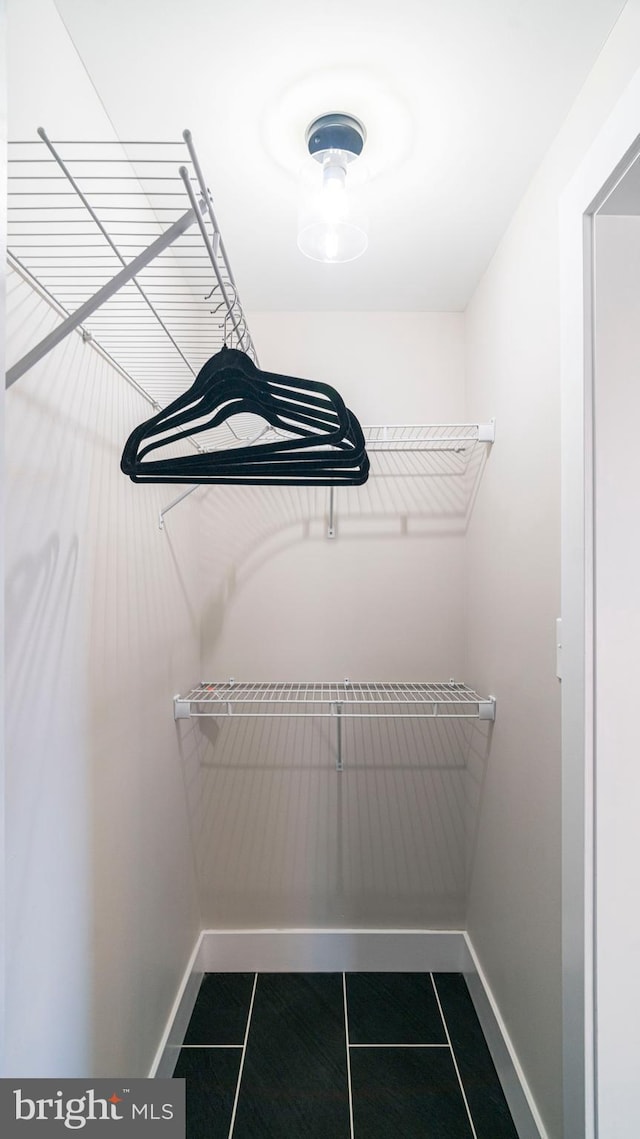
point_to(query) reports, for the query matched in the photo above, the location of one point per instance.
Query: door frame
(615, 147)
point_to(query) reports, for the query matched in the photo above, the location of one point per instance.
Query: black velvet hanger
(322, 444)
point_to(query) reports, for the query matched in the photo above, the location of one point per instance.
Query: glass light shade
(332, 223)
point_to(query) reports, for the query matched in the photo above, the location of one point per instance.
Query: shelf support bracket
(487, 709)
(81, 314)
(181, 709)
(487, 432)
(331, 532)
(338, 715)
(166, 509)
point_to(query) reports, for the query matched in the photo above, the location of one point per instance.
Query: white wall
(617, 476)
(513, 553)
(383, 599)
(101, 632)
(283, 839)
(102, 911)
(513, 363)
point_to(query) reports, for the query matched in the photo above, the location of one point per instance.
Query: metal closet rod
(80, 315)
(40, 289)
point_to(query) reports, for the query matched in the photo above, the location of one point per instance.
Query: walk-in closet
(297, 803)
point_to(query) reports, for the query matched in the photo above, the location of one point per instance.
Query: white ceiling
(461, 99)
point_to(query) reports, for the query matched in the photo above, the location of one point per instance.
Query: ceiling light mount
(335, 132)
(332, 225)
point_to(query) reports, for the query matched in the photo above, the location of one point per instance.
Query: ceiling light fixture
(332, 224)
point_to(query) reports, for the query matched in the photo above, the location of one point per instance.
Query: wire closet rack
(99, 228)
(334, 700)
(322, 698)
(122, 239)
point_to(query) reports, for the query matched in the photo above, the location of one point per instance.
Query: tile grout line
(244, 1052)
(399, 1046)
(211, 1046)
(346, 1029)
(453, 1057)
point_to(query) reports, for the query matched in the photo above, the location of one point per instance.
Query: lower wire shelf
(331, 698)
(334, 699)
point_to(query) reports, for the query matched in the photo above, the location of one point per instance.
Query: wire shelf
(334, 698)
(416, 437)
(80, 211)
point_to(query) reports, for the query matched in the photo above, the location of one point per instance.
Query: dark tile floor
(339, 1056)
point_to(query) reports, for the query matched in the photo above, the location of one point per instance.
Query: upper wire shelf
(80, 211)
(455, 440)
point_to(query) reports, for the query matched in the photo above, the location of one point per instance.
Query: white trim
(592, 181)
(453, 1057)
(522, 1105)
(332, 951)
(400, 1045)
(244, 1052)
(346, 1031)
(172, 1037)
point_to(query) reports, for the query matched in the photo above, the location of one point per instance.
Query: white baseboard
(346, 951)
(332, 951)
(514, 1085)
(166, 1056)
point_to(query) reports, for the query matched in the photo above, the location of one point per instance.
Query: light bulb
(332, 222)
(334, 203)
